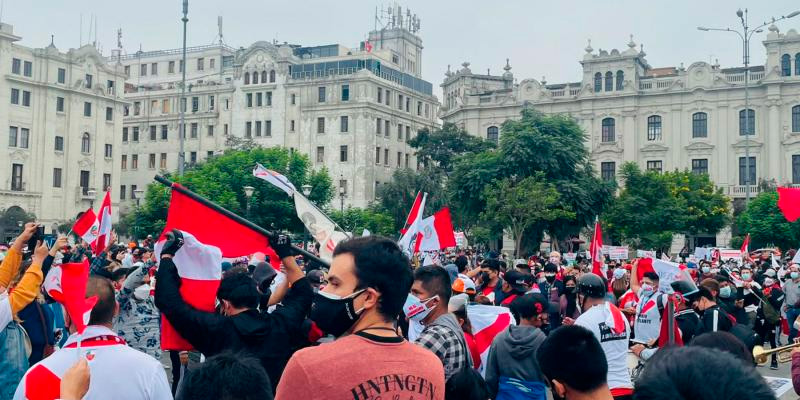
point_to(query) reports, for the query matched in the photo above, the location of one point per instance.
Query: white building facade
(62, 112)
(352, 111)
(661, 118)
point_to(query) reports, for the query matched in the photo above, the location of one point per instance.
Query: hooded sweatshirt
(512, 371)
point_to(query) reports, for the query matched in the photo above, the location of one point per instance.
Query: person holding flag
(652, 300)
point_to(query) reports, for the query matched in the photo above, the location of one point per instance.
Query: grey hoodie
(513, 355)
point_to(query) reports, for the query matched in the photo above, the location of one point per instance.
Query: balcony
(740, 191)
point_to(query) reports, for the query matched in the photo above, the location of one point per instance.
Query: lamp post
(182, 105)
(341, 198)
(745, 34)
(306, 192)
(138, 195)
(248, 193)
(91, 193)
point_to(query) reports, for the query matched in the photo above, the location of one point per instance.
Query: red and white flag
(66, 284)
(437, 232)
(104, 219)
(789, 202)
(596, 249)
(614, 318)
(275, 178)
(416, 211)
(412, 235)
(487, 322)
(746, 246)
(368, 46)
(87, 227)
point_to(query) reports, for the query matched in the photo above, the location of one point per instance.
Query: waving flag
(275, 178)
(104, 219)
(416, 210)
(596, 249)
(789, 203)
(412, 235)
(66, 284)
(437, 232)
(487, 322)
(87, 227)
(614, 318)
(746, 246)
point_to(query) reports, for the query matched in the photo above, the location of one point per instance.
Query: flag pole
(208, 203)
(323, 213)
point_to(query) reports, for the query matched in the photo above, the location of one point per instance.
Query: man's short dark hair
(672, 374)
(226, 376)
(381, 265)
(573, 356)
(103, 312)
(724, 341)
(710, 284)
(239, 288)
(491, 263)
(651, 275)
(461, 262)
(528, 306)
(435, 280)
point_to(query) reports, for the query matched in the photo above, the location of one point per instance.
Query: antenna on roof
(80, 35)
(219, 30)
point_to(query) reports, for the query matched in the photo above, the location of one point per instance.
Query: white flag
(366, 232)
(408, 242)
(275, 178)
(321, 228)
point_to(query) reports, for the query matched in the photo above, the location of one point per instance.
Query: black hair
(226, 376)
(435, 280)
(119, 273)
(652, 275)
(724, 341)
(103, 311)
(492, 264)
(466, 387)
(672, 374)
(239, 288)
(573, 356)
(381, 265)
(528, 306)
(461, 262)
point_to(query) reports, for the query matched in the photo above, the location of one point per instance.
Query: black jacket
(713, 319)
(261, 335)
(687, 323)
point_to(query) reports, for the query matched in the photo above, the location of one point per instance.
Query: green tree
(516, 206)
(440, 148)
(706, 208)
(645, 214)
(355, 220)
(466, 184)
(396, 197)
(765, 223)
(222, 179)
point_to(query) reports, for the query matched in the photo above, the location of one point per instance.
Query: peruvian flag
(487, 322)
(746, 246)
(66, 284)
(614, 318)
(87, 227)
(104, 219)
(789, 202)
(416, 211)
(413, 235)
(596, 249)
(368, 46)
(437, 232)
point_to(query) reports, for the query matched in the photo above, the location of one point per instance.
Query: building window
(59, 144)
(609, 81)
(654, 166)
(258, 128)
(492, 133)
(195, 104)
(225, 129)
(345, 92)
(795, 169)
(133, 192)
(86, 143)
(400, 102)
(399, 158)
(108, 151)
(84, 182)
(268, 98)
(15, 96)
(320, 154)
(386, 157)
(796, 118)
(62, 75)
(654, 127)
(598, 82)
(56, 177)
(163, 132)
(272, 76)
(259, 99)
(408, 104)
(321, 94)
(321, 125)
(607, 170)
(162, 161)
(134, 161)
(109, 114)
(747, 122)
(26, 98)
(212, 63)
(143, 70)
(408, 133)
(343, 124)
(249, 99)
(699, 125)
(268, 128)
(193, 131)
(125, 134)
(263, 76)
(122, 192)
(210, 130)
(294, 98)
(248, 129)
(124, 163)
(201, 65)
(211, 103)
(419, 108)
(608, 134)
(16, 177)
(700, 166)
(16, 66)
(24, 138)
(87, 109)
(255, 77)
(28, 69)
(127, 70)
(13, 133)
(246, 78)
(744, 177)
(406, 160)
(342, 153)
(151, 161)
(59, 104)
(291, 126)
(620, 79)
(786, 65)
(180, 66)
(377, 155)
(88, 81)
(380, 95)
(797, 64)
(106, 182)
(210, 153)
(154, 69)
(153, 133)
(135, 134)
(399, 132)
(386, 125)
(165, 106)
(388, 97)
(378, 126)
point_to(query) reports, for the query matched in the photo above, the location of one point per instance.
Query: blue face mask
(706, 270)
(646, 290)
(725, 292)
(794, 275)
(416, 309)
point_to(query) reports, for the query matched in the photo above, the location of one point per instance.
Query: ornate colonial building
(62, 112)
(661, 118)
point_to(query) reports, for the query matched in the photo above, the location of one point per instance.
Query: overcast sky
(542, 38)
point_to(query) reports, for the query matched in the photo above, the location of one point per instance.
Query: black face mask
(550, 279)
(485, 277)
(570, 291)
(334, 315)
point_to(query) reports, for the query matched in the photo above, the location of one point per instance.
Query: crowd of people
(376, 325)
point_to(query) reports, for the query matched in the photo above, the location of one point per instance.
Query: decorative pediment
(261, 49)
(699, 146)
(607, 148)
(791, 140)
(18, 155)
(742, 144)
(85, 162)
(654, 148)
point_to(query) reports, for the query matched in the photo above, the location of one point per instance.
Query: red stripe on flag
(789, 203)
(42, 384)
(444, 228)
(619, 319)
(85, 222)
(483, 339)
(412, 215)
(200, 294)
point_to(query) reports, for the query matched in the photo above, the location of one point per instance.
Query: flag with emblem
(66, 284)
(87, 227)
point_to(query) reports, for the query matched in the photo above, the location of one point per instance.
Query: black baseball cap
(518, 281)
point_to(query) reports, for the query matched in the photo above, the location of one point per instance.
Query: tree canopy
(440, 148)
(765, 223)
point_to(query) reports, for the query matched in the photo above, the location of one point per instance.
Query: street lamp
(306, 192)
(182, 102)
(341, 198)
(91, 193)
(248, 193)
(745, 34)
(138, 195)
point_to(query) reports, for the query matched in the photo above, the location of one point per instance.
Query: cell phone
(37, 236)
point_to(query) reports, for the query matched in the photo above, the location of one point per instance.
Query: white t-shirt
(648, 317)
(614, 345)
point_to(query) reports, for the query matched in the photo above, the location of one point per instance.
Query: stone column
(772, 137)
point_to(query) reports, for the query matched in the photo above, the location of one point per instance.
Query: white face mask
(142, 292)
(768, 282)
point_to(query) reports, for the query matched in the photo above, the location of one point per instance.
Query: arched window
(609, 81)
(86, 143)
(492, 133)
(786, 65)
(699, 125)
(747, 122)
(246, 78)
(263, 76)
(598, 82)
(796, 119)
(654, 127)
(608, 130)
(797, 64)
(620, 79)
(272, 76)
(255, 77)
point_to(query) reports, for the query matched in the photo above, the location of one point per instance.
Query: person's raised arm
(635, 277)
(10, 266)
(28, 287)
(297, 301)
